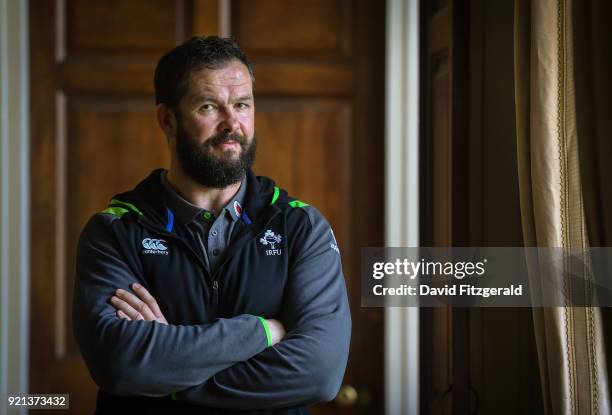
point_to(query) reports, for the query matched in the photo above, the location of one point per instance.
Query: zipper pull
(215, 292)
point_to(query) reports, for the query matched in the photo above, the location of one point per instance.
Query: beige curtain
(570, 341)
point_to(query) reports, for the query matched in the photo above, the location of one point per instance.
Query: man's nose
(230, 122)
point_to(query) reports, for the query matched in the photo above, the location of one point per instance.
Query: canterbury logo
(154, 246)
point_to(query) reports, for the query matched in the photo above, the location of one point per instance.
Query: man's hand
(277, 330)
(141, 306)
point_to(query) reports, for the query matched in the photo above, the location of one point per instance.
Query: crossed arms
(143, 306)
(224, 364)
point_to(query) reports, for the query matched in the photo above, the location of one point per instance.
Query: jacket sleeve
(141, 357)
(308, 365)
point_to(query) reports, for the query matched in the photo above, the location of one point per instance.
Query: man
(206, 289)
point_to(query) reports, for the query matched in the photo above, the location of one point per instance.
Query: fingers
(127, 311)
(132, 306)
(141, 306)
(148, 299)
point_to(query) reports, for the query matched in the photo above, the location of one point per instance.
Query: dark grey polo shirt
(212, 231)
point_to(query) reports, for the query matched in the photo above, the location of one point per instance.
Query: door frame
(402, 196)
(14, 201)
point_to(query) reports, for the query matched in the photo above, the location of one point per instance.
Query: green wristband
(267, 329)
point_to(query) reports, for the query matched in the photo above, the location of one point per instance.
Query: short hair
(173, 69)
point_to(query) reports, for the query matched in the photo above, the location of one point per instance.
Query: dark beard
(201, 165)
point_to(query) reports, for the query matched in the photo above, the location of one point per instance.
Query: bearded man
(207, 289)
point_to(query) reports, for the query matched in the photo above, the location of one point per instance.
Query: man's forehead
(234, 74)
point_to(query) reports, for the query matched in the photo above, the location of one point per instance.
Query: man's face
(215, 137)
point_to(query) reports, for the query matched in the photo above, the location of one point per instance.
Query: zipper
(215, 287)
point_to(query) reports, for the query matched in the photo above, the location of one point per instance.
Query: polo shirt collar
(186, 211)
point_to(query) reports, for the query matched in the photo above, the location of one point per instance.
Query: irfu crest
(271, 239)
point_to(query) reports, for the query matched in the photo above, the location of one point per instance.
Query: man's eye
(242, 106)
(207, 107)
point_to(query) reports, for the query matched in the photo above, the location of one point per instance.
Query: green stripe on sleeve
(116, 211)
(275, 197)
(173, 396)
(126, 205)
(298, 204)
(267, 329)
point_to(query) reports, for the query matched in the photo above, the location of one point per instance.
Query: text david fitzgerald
(453, 290)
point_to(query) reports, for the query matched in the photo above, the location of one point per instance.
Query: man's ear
(166, 120)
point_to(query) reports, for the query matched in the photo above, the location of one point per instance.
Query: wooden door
(319, 67)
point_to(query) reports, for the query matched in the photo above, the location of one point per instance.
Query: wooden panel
(108, 77)
(118, 26)
(304, 79)
(111, 146)
(442, 149)
(293, 28)
(205, 17)
(437, 392)
(442, 364)
(366, 359)
(305, 145)
(284, 79)
(437, 5)
(439, 32)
